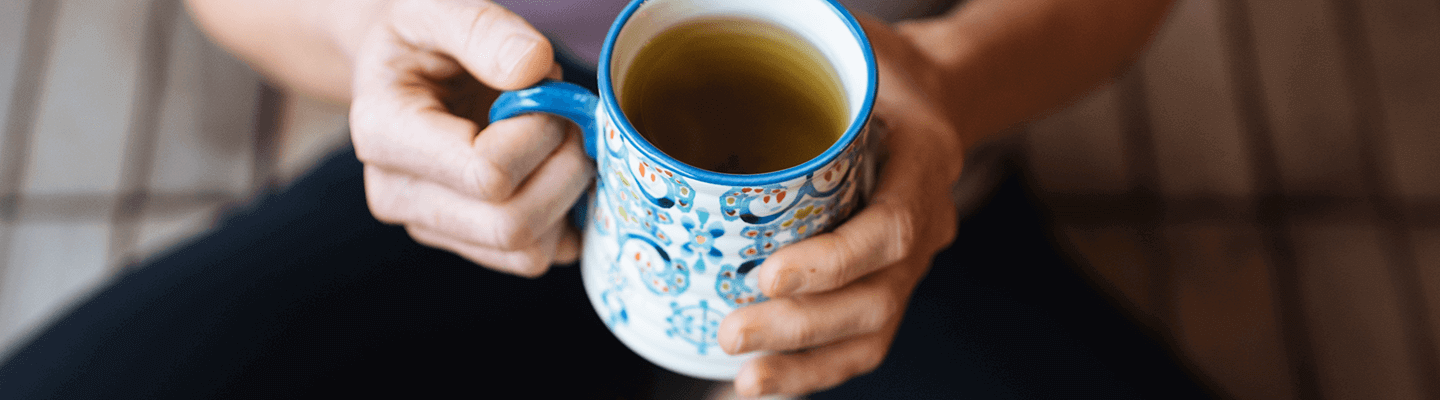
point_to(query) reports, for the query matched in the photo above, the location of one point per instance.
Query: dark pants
(305, 294)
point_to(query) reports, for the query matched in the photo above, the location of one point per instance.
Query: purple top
(580, 25)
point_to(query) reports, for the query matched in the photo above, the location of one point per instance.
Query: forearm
(302, 44)
(1004, 61)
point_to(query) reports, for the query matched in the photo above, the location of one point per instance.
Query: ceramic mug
(671, 249)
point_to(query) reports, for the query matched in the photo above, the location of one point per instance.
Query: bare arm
(308, 45)
(1003, 61)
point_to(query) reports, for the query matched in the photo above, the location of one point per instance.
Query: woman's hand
(837, 298)
(425, 74)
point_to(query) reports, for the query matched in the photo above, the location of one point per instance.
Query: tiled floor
(1259, 187)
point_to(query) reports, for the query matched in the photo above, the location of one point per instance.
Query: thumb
(496, 46)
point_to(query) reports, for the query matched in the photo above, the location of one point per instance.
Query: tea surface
(734, 95)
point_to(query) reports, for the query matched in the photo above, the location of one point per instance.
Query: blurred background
(1261, 189)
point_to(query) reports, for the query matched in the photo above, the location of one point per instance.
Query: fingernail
(737, 344)
(786, 282)
(513, 52)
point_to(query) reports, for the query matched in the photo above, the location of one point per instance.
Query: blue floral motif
(731, 285)
(637, 216)
(678, 192)
(651, 221)
(701, 241)
(763, 241)
(684, 194)
(735, 204)
(695, 324)
(667, 280)
(659, 272)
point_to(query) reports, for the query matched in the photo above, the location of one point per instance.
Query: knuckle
(405, 11)
(436, 218)
(383, 213)
(885, 308)
(369, 128)
(901, 230)
(421, 237)
(485, 179)
(363, 139)
(946, 226)
(577, 163)
(383, 203)
(870, 358)
(767, 379)
(842, 249)
(530, 263)
(804, 331)
(485, 19)
(364, 151)
(510, 232)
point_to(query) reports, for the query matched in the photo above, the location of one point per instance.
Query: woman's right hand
(425, 74)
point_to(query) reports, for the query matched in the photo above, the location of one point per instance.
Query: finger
(554, 188)
(498, 47)
(530, 262)
(793, 323)
(403, 126)
(401, 198)
(877, 236)
(815, 369)
(516, 146)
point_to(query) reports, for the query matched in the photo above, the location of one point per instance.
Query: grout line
(269, 109)
(20, 118)
(1143, 166)
(1270, 201)
(1362, 76)
(1342, 210)
(93, 207)
(139, 161)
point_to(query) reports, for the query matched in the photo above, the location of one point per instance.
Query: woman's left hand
(837, 298)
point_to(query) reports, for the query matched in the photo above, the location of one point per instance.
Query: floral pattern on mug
(737, 285)
(702, 237)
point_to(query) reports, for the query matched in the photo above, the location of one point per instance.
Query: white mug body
(670, 249)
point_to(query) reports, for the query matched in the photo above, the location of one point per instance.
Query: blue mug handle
(567, 100)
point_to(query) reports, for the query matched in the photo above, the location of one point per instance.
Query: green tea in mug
(734, 95)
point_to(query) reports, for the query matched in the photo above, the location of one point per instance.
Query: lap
(305, 294)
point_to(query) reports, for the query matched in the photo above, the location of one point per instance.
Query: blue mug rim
(607, 95)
